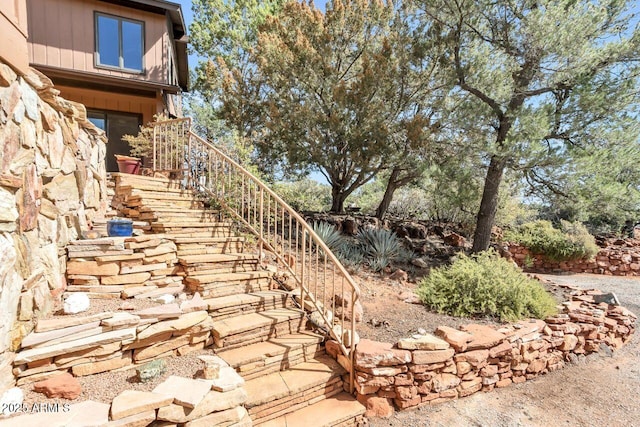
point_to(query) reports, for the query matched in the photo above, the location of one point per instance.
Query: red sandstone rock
(536, 366)
(483, 336)
(372, 354)
(333, 348)
(403, 404)
(432, 356)
(500, 350)
(457, 339)
(476, 358)
(442, 382)
(399, 275)
(64, 385)
(454, 239)
(376, 406)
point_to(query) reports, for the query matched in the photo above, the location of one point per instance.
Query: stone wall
(617, 257)
(176, 401)
(427, 369)
(52, 184)
(107, 341)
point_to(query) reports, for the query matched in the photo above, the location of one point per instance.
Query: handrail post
(190, 167)
(260, 245)
(303, 266)
(352, 346)
(155, 152)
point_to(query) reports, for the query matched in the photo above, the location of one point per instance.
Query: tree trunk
(488, 205)
(338, 196)
(392, 185)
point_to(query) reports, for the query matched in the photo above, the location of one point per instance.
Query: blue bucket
(119, 227)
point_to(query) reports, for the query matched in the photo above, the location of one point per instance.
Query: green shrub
(305, 195)
(571, 242)
(485, 285)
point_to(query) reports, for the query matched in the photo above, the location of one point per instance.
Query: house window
(119, 43)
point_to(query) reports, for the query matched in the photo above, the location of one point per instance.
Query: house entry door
(115, 125)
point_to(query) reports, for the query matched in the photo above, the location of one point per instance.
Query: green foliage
(329, 235)
(351, 255)
(571, 242)
(343, 93)
(485, 285)
(380, 246)
(536, 80)
(304, 195)
(603, 198)
(223, 33)
(142, 143)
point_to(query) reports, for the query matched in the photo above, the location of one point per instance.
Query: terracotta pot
(130, 165)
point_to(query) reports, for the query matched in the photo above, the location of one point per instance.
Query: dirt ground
(600, 390)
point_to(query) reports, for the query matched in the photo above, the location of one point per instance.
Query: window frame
(120, 67)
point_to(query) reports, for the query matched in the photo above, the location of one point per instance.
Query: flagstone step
(197, 264)
(193, 229)
(274, 355)
(193, 224)
(215, 258)
(230, 283)
(341, 410)
(159, 196)
(144, 182)
(213, 245)
(256, 327)
(188, 215)
(279, 393)
(245, 303)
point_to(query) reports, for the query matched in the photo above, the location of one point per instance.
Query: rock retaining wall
(52, 184)
(428, 370)
(102, 342)
(124, 267)
(617, 257)
(176, 401)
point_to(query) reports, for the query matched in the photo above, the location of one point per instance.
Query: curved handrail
(207, 169)
(317, 240)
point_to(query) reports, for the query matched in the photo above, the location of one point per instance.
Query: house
(125, 60)
(13, 21)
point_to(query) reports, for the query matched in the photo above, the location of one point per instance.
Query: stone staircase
(257, 329)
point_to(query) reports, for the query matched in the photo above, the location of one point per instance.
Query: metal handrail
(280, 230)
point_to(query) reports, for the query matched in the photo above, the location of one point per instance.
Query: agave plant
(350, 254)
(329, 235)
(379, 263)
(379, 243)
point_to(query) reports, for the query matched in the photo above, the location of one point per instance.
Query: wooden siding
(62, 35)
(97, 100)
(13, 21)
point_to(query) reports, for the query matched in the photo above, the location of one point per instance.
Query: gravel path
(599, 391)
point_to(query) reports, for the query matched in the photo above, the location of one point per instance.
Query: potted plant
(141, 146)
(128, 164)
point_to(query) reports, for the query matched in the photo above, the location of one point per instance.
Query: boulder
(63, 385)
(420, 263)
(77, 302)
(399, 275)
(377, 407)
